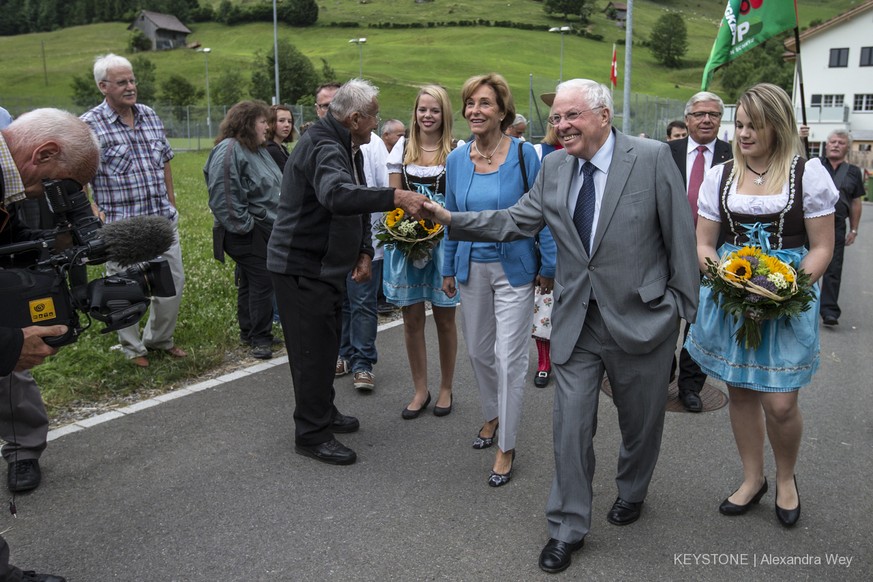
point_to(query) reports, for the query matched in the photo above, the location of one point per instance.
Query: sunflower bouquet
(753, 286)
(414, 238)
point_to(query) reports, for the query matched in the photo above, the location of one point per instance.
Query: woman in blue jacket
(496, 280)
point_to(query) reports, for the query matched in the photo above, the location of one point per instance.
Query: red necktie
(695, 180)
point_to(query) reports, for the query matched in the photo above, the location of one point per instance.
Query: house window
(863, 102)
(814, 149)
(839, 57)
(818, 100)
(866, 56)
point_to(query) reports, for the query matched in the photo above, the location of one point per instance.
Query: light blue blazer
(519, 258)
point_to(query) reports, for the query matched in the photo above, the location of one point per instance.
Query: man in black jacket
(694, 155)
(42, 144)
(850, 182)
(321, 233)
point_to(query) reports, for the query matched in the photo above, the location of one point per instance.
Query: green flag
(746, 24)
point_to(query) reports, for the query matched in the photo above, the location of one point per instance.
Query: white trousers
(497, 320)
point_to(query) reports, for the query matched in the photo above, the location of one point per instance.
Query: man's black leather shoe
(691, 401)
(31, 576)
(23, 475)
(332, 452)
(555, 557)
(344, 424)
(624, 512)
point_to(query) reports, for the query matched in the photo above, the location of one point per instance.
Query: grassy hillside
(396, 60)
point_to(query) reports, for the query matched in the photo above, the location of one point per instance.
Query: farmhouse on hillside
(164, 30)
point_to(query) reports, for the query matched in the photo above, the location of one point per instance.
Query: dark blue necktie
(583, 215)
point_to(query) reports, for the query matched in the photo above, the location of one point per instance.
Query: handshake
(419, 207)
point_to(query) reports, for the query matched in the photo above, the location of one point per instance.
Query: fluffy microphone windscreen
(138, 239)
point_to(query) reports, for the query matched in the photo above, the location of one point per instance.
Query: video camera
(43, 293)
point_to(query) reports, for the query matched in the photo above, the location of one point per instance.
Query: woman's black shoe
(728, 508)
(481, 442)
(789, 517)
(410, 414)
(444, 410)
(501, 479)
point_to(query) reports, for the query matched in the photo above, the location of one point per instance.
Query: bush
(139, 42)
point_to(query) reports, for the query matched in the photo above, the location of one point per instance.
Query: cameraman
(41, 144)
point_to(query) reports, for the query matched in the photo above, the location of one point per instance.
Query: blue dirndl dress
(406, 283)
(788, 355)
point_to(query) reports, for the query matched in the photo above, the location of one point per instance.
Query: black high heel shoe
(788, 517)
(728, 508)
(481, 442)
(501, 479)
(444, 410)
(410, 414)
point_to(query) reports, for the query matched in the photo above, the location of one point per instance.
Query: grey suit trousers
(639, 387)
(24, 422)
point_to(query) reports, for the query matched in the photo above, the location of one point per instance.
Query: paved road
(206, 486)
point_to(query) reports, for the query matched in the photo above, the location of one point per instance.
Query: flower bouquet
(414, 238)
(753, 286)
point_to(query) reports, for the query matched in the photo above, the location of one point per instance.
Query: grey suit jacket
(643, 263)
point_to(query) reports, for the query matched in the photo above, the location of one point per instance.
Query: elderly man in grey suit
(626, 273)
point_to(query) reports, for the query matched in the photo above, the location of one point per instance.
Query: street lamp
(360, 42)
(206, 52)
(562, 30)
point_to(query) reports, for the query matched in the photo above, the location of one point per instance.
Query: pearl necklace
(760, 179)
(488, 158)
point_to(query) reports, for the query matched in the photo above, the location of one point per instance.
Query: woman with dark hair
(496, 280)
(771, 198)
(280, 131)
(243, 183)
(418, 164)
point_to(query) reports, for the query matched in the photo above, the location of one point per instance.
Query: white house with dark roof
(164, 30)
(836, 59)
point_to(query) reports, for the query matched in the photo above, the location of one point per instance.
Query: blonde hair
(772, 115)
(413, 153)
(551, 137)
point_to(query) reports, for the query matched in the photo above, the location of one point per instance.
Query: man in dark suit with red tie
(694, 155)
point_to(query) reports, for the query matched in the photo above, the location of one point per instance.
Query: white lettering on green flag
(745, 25)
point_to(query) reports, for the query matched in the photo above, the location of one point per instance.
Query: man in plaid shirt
(135, 179)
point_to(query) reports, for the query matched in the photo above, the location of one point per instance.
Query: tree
(669, 39)
(139, 42)
(327, 72)
(298, 12)
(297, 76)
(764, 63)
(228, 88)
(85, 92)
(178, 92)
(578, 8)
(146, 86)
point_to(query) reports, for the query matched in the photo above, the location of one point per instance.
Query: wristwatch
(854, 231)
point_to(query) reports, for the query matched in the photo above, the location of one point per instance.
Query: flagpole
(628, 50)
(800, 75)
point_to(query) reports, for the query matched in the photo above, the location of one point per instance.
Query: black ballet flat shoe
(728, 508)
(789, 517)
(444, 410)
(501, 479)
(410, 414)
(541, 380)
(481, 442)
